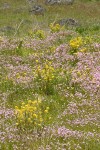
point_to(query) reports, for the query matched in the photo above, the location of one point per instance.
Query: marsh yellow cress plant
(32, 114)
(55, 27)
(38, 34)
(76, 42)
(45, 76)
(46, 73)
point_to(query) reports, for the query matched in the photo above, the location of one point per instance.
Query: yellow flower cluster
(31, 114)
(83, 50)
(46, 73)
(40, 34)
(76, 42)
(55, 27)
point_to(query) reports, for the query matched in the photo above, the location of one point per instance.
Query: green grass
(86, 13)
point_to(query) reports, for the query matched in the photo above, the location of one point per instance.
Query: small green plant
(82, 30)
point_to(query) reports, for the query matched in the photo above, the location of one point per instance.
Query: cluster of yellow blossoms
(55, 27)
(46, 73)
(39, 34)
(31, 114)
(76, 42)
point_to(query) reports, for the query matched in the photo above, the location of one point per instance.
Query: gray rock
(52, 2)
(37, 10)
(68, 22)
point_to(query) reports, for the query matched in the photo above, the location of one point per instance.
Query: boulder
(37, 10)
(67, 22)
(52, 2)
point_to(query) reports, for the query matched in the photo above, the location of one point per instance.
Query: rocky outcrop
(38, 10)
(68, 22)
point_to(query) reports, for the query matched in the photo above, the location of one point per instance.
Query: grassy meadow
(49, 77)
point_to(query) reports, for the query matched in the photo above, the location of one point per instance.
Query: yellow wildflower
(37, 61)
(17, 123)
(34, 115)
(29, 119)
(46, 111)
(76, 42)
